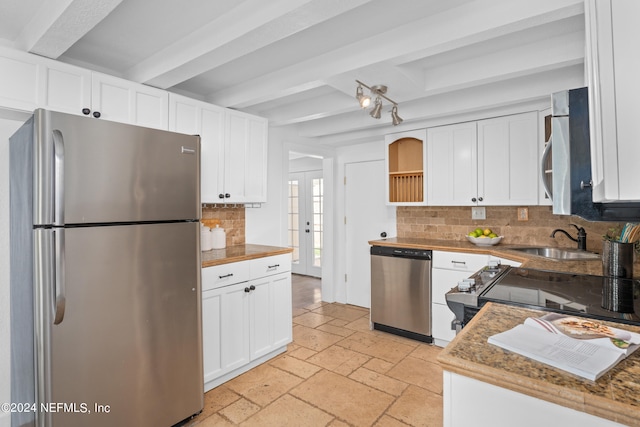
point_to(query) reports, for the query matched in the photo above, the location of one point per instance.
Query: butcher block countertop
(614, 396)
(528, 261)
(240, 253)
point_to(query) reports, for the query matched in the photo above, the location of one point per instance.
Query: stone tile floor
(336, 372)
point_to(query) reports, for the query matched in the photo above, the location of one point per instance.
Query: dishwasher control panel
(401, 252)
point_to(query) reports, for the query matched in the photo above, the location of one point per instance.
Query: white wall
(7, 128)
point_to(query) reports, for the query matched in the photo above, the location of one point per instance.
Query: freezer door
(96, 171)
(128, 349)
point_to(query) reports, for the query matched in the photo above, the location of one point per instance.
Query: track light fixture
(379, 92)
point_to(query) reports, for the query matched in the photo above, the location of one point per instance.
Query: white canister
(206, 240)
(219, 238)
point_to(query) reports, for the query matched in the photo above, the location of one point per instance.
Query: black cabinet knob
(86, 111)
(227, 195)
(96, 114)
(247, 290)
(474, 199)
(221, 196)
(480, 199)
(253, 288)
(383, 234)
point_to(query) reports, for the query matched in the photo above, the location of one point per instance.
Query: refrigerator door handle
(59, 289)
(58, 178)
(543, 170)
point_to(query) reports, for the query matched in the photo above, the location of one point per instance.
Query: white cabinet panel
(127, 102)
(441, 330)
(20, 84)
(67, 88)
(225, 274)
(508, 160)
(613, 65)
(452, 165)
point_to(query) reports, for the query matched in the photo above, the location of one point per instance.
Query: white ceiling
(296, 61)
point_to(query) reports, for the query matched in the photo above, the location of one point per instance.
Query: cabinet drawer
(268, 266)
(225, 275)
(459, 261)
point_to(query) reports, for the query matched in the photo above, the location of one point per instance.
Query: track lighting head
(363, 99)
(379, 91)
(395, 118)
(377, 109)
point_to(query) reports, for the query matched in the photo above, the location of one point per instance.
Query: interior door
(367, 216)
(306, 212)
(130, 337)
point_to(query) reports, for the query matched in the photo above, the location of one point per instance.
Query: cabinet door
(508, 160)
(245, 158)
(612, 70)
(66, 88)
(405, 183)
(441, 318)
(195, 117)
(452, 165)
(235, 327)
(271, 317)
(212, 335)
(281, 309)
(127, 102)
(20, 83)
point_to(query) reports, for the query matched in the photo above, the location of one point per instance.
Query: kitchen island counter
(615, 396)
(240, 253)
(593, 266)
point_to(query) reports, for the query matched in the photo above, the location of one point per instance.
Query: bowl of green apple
(483, 237)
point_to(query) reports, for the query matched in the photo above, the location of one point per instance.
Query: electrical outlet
(478, 212)
(523, 214)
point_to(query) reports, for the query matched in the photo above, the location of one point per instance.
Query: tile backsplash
(230, 218)
(453, 223)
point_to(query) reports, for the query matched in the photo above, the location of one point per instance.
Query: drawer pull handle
(459, 262)
(273, 266)
(225, 276)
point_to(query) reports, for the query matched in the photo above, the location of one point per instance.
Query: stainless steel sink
(557, 253)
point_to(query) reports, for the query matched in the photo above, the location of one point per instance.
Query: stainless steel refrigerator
(105, 274)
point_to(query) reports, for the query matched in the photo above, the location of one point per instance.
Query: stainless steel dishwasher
(401, 291)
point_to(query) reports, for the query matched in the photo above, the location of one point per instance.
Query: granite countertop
(240, 253)
(528, 261)
(615, 396)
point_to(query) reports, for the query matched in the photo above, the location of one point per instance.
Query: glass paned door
(305, 218)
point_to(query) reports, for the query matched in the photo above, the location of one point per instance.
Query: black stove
(605, 298)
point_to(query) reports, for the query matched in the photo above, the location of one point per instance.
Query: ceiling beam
(247, 28)
(58, 24)
(464, 25)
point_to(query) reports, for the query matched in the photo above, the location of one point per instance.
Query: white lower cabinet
(470, 402)
(448, 268)
(246, 323)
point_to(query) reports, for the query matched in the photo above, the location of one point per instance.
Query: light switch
(478, 212)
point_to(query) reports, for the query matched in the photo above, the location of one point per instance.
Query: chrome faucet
(581, 240)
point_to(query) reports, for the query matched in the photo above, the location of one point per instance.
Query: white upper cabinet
(404, 168)
(613, 66)
(245, 156)
(489, 162)
(28, 82)
(508, 165)
(233, 149)
(127, 102)
(452, 169)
